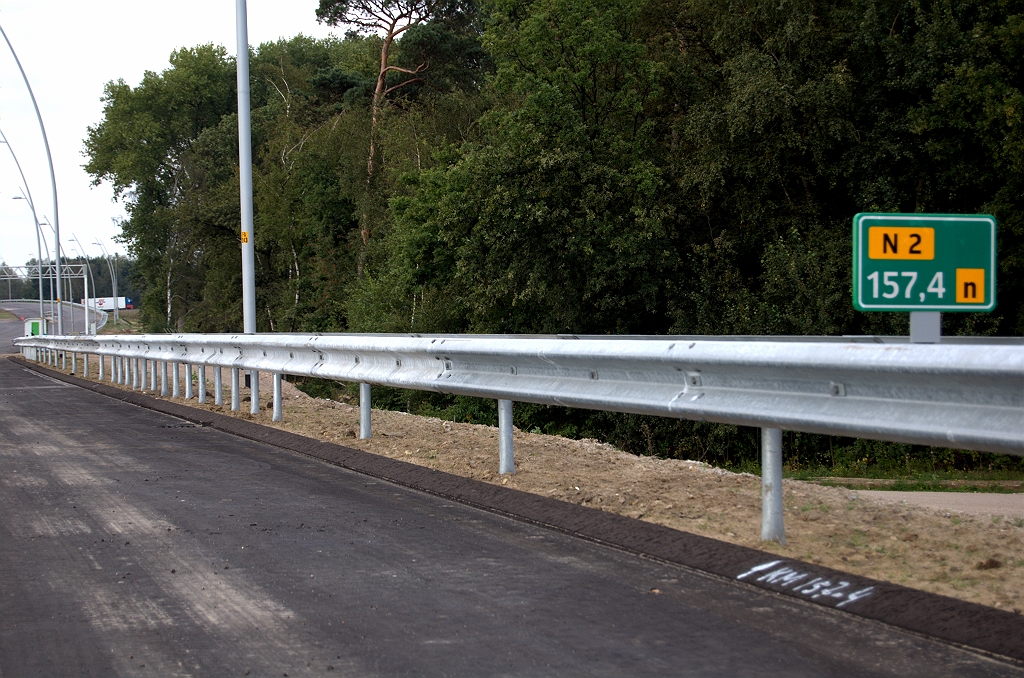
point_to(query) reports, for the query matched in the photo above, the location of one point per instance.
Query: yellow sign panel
(970, 286)
(245, 237)
(901, 242)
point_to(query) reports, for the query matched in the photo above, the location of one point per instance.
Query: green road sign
(924, 262)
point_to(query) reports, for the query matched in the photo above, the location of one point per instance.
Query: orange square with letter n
(970, 286)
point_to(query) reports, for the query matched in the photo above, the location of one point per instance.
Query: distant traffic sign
(924, 262)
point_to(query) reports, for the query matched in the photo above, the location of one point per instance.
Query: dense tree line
(582, 166)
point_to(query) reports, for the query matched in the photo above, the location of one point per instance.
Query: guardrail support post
(115, 369)
(235, 397)
(188, 381)
(103, 374)
(74, 362)
(772, 526)
(175, 381)
(163, 378)
(202, 384)
(85, 365)
(152, 377)
(254, 392)
(277, 397)
(133, 372)
(506, 454)
(123, 365)
(63, 360)
(365, 425)
(143, 369)
(218, 386)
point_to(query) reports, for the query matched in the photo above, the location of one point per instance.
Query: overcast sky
(69, 50)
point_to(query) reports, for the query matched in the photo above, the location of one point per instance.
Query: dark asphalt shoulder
(805, 615)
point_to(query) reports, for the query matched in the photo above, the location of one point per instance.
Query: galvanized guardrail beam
(966, 395)
(962, 396)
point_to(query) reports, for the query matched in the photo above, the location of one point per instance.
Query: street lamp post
(27, 196)
(245, 188)
(245, 169)
(113, 278)
(40, 242)
(53, 178)
(56, 279)
(85, 288)
(49, 266)
(88, 267)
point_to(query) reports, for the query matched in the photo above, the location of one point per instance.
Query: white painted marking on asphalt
(815, 589)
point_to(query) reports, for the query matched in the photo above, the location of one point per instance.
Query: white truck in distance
(107, 303)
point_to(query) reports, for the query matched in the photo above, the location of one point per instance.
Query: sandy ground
(975, 555)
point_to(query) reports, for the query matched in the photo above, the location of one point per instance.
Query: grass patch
(327, 389)
(128, 322)
(925, 484)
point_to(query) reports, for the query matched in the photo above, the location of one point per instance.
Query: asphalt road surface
(132, 543)
(10, 329)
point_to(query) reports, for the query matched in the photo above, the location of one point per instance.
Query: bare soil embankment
(973, 557)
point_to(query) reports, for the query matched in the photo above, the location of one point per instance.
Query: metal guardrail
(961, 395)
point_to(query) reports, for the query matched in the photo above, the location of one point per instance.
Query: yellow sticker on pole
(901, 242)
(245, 237)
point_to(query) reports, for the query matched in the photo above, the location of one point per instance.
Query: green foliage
(594, 166)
